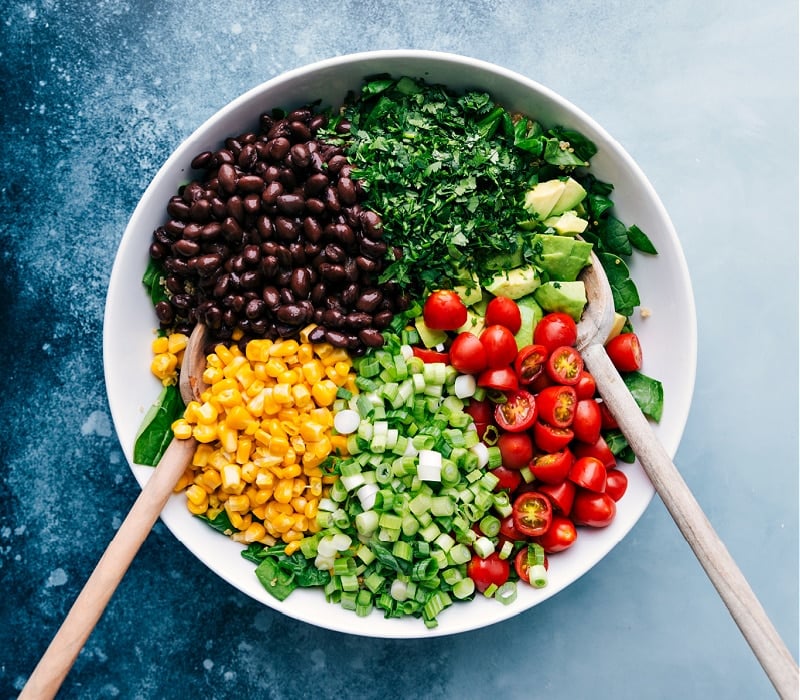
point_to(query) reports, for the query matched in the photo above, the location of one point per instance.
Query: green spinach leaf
(648, 393)
(156, 431)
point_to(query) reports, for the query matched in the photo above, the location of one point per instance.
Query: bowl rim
(187, 147)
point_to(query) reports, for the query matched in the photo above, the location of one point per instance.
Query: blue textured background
(703, 95)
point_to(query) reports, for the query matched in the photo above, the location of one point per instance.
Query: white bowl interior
(668, 334)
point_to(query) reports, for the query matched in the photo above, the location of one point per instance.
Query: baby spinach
(280, 573)
(156, 431)
(648, 393)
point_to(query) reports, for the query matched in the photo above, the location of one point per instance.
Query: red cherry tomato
(599, 449)
(444, 311)
(427, 355)
(504, 311)
(552, 467)
(593, 509)
(481, 411)
(502, 379)
(586, 386)
(467, 354)
(555, 329)
(589, 473)
(587, 421)
(522, 567)
(532, 513)
(625, 352)
(556, 405)
(509, 478)
(517, 413)
(616, 483)
(516, 450)
(561, 495)
(549, 438)
(508, 531)
(564, 366)
(488, 571)
(500, 345)
(561, 535)
(530, 363)
(608, 420)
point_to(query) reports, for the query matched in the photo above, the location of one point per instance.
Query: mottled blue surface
(703, 95)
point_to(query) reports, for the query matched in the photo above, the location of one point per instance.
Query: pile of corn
(265, 425)
(167, 357)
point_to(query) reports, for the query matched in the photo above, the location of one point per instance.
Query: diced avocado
(567, 297)
(567, 224)
(506, 261)
(531, 314)
(514, 283)
(429, 337)
(616, 328)
(572, 195)
(542, 197)
(470, 293)
(475, 323)
(562, 257)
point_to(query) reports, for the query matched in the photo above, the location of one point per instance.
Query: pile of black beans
(273, 236)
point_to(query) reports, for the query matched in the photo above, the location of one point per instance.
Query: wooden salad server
(88, 607)
(719, 565)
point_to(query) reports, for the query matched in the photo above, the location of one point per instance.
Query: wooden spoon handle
(59, 657)
(729, 581)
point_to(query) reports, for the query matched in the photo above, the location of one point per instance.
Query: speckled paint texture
(95, 97)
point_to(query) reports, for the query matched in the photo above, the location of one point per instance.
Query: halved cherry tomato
(555, 329)
(586, 386)
(587, 421)
(560, 536)
(556, 405)
(509, 478)
(428, 355)
(589, 473)
(616, 483)
(625, 352)
(548, 438)
(488, 571)
(599, 449)
(500, 345)
(552, 467)
(502, 379)
(522, 567)
(561, 495)
(444, 310)
(505, 312)
(564, 366)
(593, 509)
(532, 513)
(530, 363)
(516, 450)
(608, 420)
(517, 413)
(467, 354)
(481, 411)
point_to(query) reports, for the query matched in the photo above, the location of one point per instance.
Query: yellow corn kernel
(315, 486)
(324, 392)
(282, 522)
(334, 356)
(305, 353)
(289, 376)
(305, 334)
(177, 342)
(229, 437)
(311, 509)
(232, 478)
(184, 480)
(249, 472)
(264, 479)
(283, 490)
(197, 495)
(238, 418)
(274, 366)
(299, 522)
(321, 415)
(299, 503)
(284, 348)
(197, 509)
(244, 449)
(312, 432)
(258, 350)
(254, 388)
(245, 374)
(239, 503)
(206, 413)
(212, 375)
(224, 354)
(313, 371)
(204, 433)
(290, 457)
(160, 345)
(254, 533)
(202, 454)
(339, 444)
(182, 429)
(301, 395)
(210, 479)
(292, 547)
(278, 445)
(232, 367)
(292, 536)
(290, 471)
(282, 393)
(261, 496)
(163, 365)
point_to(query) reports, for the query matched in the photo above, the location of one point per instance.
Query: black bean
(270, 266)
(350, 294)
(249, 184)
(346, 191)
(279, 147)
(312, 229)
(290, 204)
(201, 160)
(206, 265)
(271, 297)
(332, 272)
(371, 337)
(255, 309)
(369, 300)
(337, 338)
(316, 183)
(222, 286)
(301, 156)
(300, 283)
(186, 248)
(165, 312)
(358, 319)
(291, 314)
(286, 228)
(333, 318)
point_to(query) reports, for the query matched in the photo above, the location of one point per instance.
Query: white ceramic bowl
(668, 335)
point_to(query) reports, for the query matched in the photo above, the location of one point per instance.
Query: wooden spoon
(729, 581)
(59, 657)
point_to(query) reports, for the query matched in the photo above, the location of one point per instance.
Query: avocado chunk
(567, 224)
(429, 336)
(475, 323)
(470, 293)
(562, 257)
(505, 261)
(542, 197)
(514, 283)
(531, 313)
(566, 297)
(572, 195)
